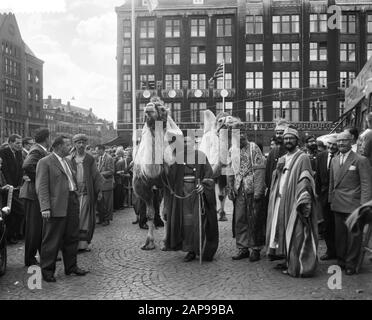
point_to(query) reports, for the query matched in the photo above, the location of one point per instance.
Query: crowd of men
(283, 203)
(59, 188)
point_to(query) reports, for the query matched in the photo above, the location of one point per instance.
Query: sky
(76, 39)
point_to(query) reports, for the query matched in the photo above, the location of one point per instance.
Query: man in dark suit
(323, 166)
(27, 144)
(350, 187)
(12, 170)
(106, 168)
(34, 221)
(56, 188)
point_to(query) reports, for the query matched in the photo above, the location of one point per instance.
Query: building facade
(21, 82)
(281, 57)
(67, 119)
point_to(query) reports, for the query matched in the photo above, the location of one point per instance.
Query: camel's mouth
(154, 113)
(226, 123)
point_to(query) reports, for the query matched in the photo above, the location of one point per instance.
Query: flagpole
(223, 98)
(134, 103)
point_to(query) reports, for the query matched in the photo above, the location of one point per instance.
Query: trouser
(341, 234)
(249, 222)
(355, 240)
(14, 220)
(105, 206)
(329, 229)
(118, 196)
(34, 229)
(61, 233)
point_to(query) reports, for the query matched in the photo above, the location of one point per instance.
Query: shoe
(32, 263)
(243, 254)
(350, 271)
(49, 279)
(77, 271)
(341, 264)
(255, 256)
(327, 256)
(222, 215)
(136, 222)
(105, 223)
(190, 257)
(84, 250)
(144, 226)
(99, 222)
(281, 266)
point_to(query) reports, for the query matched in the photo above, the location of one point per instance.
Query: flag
(219, 72)
(152, 4)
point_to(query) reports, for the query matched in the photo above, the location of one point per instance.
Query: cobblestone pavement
(119, 269)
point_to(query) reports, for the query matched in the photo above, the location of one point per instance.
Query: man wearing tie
(323, 166)
(350, 187)
(56, 188)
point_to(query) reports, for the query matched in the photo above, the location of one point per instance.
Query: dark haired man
(12, 170)
(27, 144)
(56, 188)
(34, 221)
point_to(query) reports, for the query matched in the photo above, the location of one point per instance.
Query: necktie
(342, 159)
(330, 161)
(69, 176)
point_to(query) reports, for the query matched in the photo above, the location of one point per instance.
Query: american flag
(219, 72)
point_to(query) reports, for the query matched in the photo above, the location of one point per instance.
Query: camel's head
(155, 110)
(225, 121)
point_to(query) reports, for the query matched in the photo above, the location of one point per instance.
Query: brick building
(21, 82)
(282, 60)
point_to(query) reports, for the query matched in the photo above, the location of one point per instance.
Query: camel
(153, 159)
(215, 146)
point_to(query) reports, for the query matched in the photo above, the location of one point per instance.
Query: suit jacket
(322, 177)
(107, 169)
(350, 186)
(28, 190)
(52, 186)
(12, 167)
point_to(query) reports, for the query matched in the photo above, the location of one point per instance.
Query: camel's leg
(163, 246)
(222, 199)
(150, 243)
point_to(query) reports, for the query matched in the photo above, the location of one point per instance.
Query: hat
(79, 137)
(332, 138)
(291, 131)
(281, 125)
(344, 136)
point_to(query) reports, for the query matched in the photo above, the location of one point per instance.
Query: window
(175, 110)
(286, 24)
(29, 75)
(369, 23)
(37, 95)
(224, 27)
(172, 81)
(286, 52)
(318, 51)
(37, 76)
(254, 80)
(147, 82)
(341, 108)
(30, 93)
(198, 55)
(253, 25)
(253, 111)
(195, 111)
(147, 29)
(318, 110)
(348, 23)
(346, 79)
(172, 55)
(127, 29)
(318, 79)
(127, 56)
(254, 52)
(198, 1)
(286, 80)
(198, 81)
(228, 107)
(224, 53)
(172, 28)
(197, 27)
(127, 82)
(288, 110)
(369, 50)
(347, 51)
(147, 56)
(228, 82)
(127, 114)
(318, 22)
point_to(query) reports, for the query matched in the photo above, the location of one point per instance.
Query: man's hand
(99, 197)
(200, 189)
(232, 195)
(6, 187)
(26, 178)
(46, 214)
